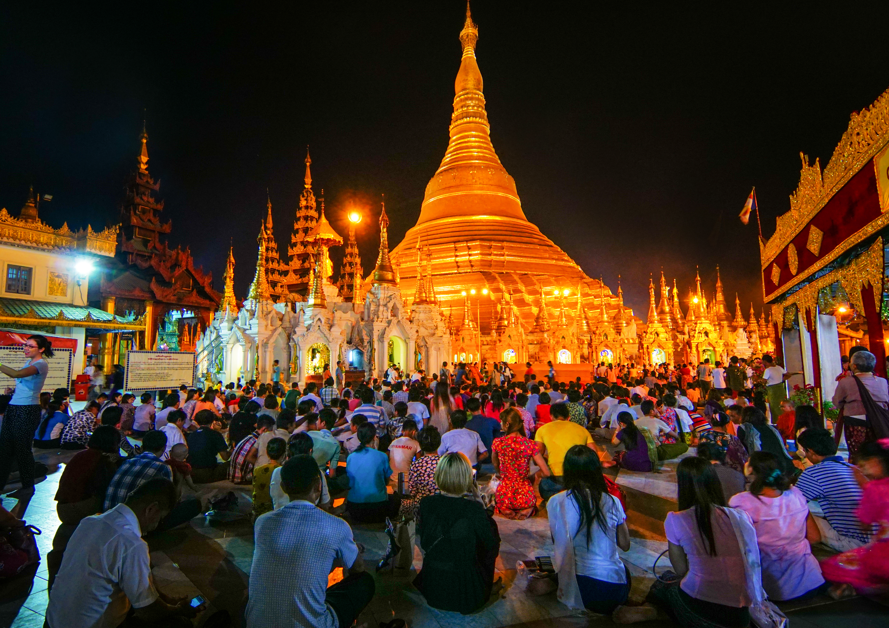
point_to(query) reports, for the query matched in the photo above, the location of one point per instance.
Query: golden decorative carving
(39, 235)
(881, 165)
(792, 259)
(776, 274)
(58, 284)
(813, 243)
(866, 135)
(866, 269)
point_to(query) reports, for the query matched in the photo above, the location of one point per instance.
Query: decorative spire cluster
(351, 263)
(301, 252)
(275, 269)
(229, 302)
(259, 289)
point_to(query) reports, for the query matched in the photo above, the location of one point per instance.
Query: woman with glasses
(22, 418)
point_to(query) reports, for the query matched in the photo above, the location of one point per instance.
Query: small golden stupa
(473, 229)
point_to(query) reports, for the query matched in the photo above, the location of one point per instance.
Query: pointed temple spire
(652, 307)
(301, 252)
(603, 313)
(229, 303)
(664, 310)
(383, 271)
(268, 218)
(468, 324)
(739, 318)
(541, 321)
(273, 267)
(316, 297)
(29, 209)
(620, 321)
(720, 307)
(678, 317)
(259, 289)
(143, 154)
(751, 321)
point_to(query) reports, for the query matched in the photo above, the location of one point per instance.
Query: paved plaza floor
(211, 556)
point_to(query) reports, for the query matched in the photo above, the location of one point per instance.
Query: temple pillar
(808, 349)
(876, 340)
(814, 348)
(149, 326)
(106, 343)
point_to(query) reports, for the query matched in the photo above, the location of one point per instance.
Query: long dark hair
(699, 488)
(629, 429)
(807, 416)
(767, 473)
(42, 343)
(583, 479)
(51, 408)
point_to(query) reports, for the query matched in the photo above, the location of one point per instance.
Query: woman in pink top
(784, 530)
(717, 586)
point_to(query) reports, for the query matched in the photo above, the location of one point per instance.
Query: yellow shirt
(262, 476)
(558, 437)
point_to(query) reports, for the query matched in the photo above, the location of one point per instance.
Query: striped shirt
(240, 471)
(832, 484)
(375, 416)
(132, 474)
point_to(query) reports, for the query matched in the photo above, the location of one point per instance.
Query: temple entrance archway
(563, 357)
(397, 352)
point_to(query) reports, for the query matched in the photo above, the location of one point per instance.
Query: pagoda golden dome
(472, 223)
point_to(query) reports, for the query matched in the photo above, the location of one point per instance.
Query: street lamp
(354, 217)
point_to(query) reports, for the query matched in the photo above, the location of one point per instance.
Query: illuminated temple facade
(473, 280)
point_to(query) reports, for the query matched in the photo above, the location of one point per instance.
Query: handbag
(18, 550)
(877, 415)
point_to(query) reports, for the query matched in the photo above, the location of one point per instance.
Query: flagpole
(756, 203)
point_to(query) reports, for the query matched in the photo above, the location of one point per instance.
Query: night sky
(634, 133)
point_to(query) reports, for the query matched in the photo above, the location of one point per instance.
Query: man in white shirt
(403, 449)
(173, 428)
(718, 375)
(418, 408)
(636, 408)
(606, 403)
(776, 391)
(639, 389)
(110, 571)
(459, 439)
(311, 396)
(609, 420)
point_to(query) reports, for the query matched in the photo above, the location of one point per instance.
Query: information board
(158, 370)
(60, 365)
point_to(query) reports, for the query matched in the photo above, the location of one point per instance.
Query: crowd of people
(455, 451)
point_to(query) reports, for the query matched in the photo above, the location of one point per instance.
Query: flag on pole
(47, 197)
(749, 207)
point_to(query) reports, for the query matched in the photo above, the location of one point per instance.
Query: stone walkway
(212, 556)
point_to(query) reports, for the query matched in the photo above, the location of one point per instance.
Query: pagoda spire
(351, 261)
(677, 307)
(468, 323)
(541, 321)
(383, 271)
(652, 307)
(308, 177)
(316, 293)
(720, 307)
(259, 289)
(739, 318)
(420, 295)
(29, 209)
(143, 154)
(751, 321)
(620, 321)
(430, 284)
(664, 307)
(583, 322)
(302, 251)
(603, 313)
(229, 302)
(268, 218)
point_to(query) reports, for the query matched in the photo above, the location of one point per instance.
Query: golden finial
(316, 291)
(383, 272)
(268, 219)
(308, 170)
(143, 155)
(229, 302)
(469, 34)
(29, 209)
(259, 289)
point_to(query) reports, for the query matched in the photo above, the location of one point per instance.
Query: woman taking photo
(588, 526)
(460, 541)
(784, 530)
(22, 418)
(511, 455)
(716, 584)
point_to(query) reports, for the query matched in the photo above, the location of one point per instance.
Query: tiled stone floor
(212, 556)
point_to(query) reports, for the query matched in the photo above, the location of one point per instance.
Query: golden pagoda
(472, 224)
(302, 252)
(275, 269)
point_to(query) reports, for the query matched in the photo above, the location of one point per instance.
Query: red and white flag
(749, 207)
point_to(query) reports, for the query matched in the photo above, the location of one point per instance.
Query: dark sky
(634, 131)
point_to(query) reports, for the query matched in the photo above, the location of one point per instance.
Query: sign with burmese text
(158, 370)
(12, 354)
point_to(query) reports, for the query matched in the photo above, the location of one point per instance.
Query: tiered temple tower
(275, 269)
(351, 263)
(301, 252)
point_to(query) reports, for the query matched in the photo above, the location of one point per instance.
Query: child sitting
(403, 449)
(262, 476)
(181, 469)
(349, 439)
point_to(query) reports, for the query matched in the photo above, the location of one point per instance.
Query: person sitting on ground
(460, 439)
(143, 418)
(174, 428)
(511, 456)
(49, 432)
(112, 417)
(284, 424)
(756, 434)
(421, 477)
(171, 402)
(734, 454)
(834, 492)
(77, 430)
(327, 447)
(204, 445)
(403, 449)
(709, 547)
(542, 410)
(368, 471)
(785, 530)
(303, 540)
(244, 454)
(276, 449)
(300, 444)
(180, 468)
(458, 537)
(637, 453)
(588, 526)
(787, 420)
(865, 570)
(110, 573)
(732, 481)
(556, 438)
(670, 445)
(487, 428)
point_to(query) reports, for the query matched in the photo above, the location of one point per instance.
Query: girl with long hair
(784, 530)
(494, 405)
(713, 552)
(441, 407)
(758, 435)
(511, 456)
(22, 418)
(636, 455)
(588, 526)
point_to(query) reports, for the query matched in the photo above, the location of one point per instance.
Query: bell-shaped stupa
(473, 228)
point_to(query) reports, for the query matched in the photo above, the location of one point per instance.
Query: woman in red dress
(512, 455)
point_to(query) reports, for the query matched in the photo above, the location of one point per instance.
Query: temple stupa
(473, 234)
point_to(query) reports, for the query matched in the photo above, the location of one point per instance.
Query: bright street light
(484, 291)
(354, 217)
(842, 309)
(83, 267)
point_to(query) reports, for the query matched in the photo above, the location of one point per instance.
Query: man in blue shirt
(459, 375)
(487, 428)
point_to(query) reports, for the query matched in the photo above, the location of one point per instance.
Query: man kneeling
(297, 547)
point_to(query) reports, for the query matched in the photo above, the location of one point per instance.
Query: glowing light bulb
(484, 291)
(472, 291)
(354, 217)
(463, 293)
(842, 309)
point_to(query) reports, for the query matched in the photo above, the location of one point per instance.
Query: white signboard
(60, 364)
(158, 370)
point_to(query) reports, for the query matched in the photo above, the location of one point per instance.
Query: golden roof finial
(143, 155)
(229, 302)
(29, 209)
(259, 289)
(383, 272)
(652, 307)
(316, 291)
(268, 219)
(308, 170)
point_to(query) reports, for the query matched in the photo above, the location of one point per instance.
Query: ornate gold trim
(40, 235)
(813, 243)
(867, 133)
(776, 274)
(792, 259)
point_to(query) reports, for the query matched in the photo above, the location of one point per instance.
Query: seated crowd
(752, 500)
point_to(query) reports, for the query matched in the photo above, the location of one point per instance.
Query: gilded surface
(39, 235)
(865, 270)
(866, 135)
(792, 259)
(813, 242)
(776, 274)
(58, 284)
(881, 165)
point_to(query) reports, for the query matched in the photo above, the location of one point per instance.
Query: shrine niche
(317, 357)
